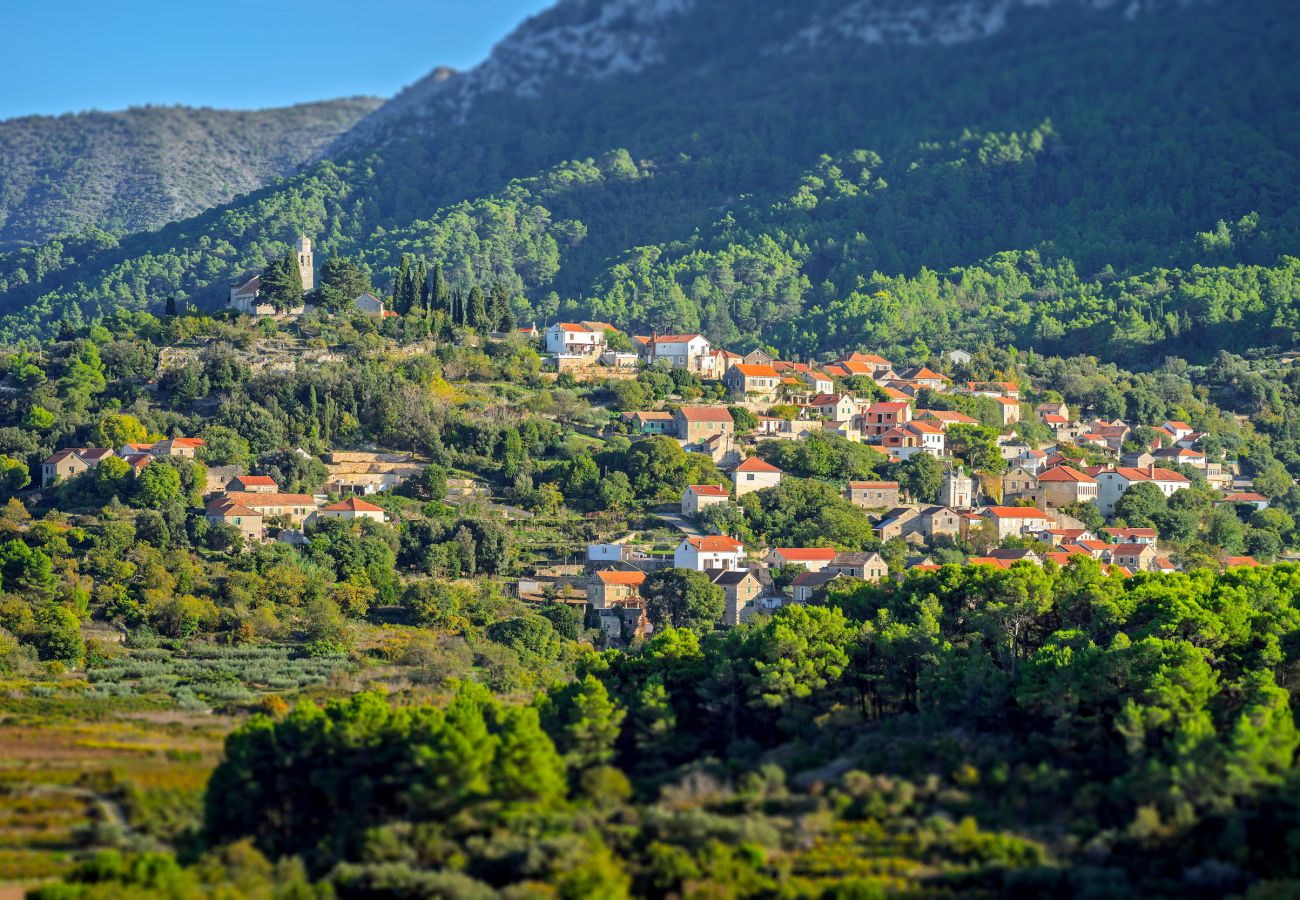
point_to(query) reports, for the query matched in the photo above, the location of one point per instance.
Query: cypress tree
(439, 294)
(420, 285)
(503, 317)
(477, 315)
(401, 285)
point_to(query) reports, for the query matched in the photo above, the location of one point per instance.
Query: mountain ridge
(139, 168)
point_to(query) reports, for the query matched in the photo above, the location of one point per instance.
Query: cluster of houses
(70, 461)
(1031, 501)
(253, 504)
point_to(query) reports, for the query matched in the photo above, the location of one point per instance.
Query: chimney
(1151, 471)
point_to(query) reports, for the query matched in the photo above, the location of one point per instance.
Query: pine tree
(170, 308)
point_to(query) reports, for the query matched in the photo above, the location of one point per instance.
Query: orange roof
(1247, 561)
(754, 464)
(809, 554)
(871, 358)
(752, 370)
(926, 374)
(1245, 497)
(571, 326)
(925, 567)
(1131, 532)
(709, 490)
(352, 504)
(989, 561)
(716, 543)
(895, 393)
(873, 485)
(705, 414)
(226, 510)
(675, 338)
(615, 576)
(949, 415)
(1015, 512)
(265, 480)
(254, 500)
(1066, 473)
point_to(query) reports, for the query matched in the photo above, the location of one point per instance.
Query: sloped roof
(716, 544)
(1065, 474)
(709, 490)
(806, 554)
(352, 504)
(756, 370)
(618, 576)
(1015, 512)
(754, 464)
(705, 414)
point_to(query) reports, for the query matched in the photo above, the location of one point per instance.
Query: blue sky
(73, 55)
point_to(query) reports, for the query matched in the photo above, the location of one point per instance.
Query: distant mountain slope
(140, 168)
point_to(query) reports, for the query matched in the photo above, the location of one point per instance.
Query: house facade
(754, 474)
(872, 494)
(752, 381)
(698, 497)
(709, 552)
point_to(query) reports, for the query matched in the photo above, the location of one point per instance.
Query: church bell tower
(306, 265)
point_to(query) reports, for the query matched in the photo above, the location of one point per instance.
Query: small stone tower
(958, 490)
(306, 265)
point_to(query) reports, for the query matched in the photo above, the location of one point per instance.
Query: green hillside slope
(1056, 185)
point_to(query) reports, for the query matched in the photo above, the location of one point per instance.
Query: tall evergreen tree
(402, 286)
(439, 293)
(282, 283)
(503, 317)
(420, 285)
(477, 316)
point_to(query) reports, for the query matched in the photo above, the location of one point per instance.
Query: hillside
(140, 168)
(832, 175)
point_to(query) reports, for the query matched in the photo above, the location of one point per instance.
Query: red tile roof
(1015, 512)
(616, 576)
(709, 490)
(754, 464)
(351, 504)
(716, 544)
(705, 414)
(1066, 474)
(752, 370)
(806, 554)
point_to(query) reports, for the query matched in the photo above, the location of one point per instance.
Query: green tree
(681, 598)
(57, 634)
(282, 283)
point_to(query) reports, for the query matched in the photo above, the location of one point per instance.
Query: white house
(754, 474)
(697, 497)
(1112, 483)
(682, 351)
(814, 559)
(574, 338)
(710, 552)
(1014, 521)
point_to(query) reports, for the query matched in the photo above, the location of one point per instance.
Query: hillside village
(986, 472)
